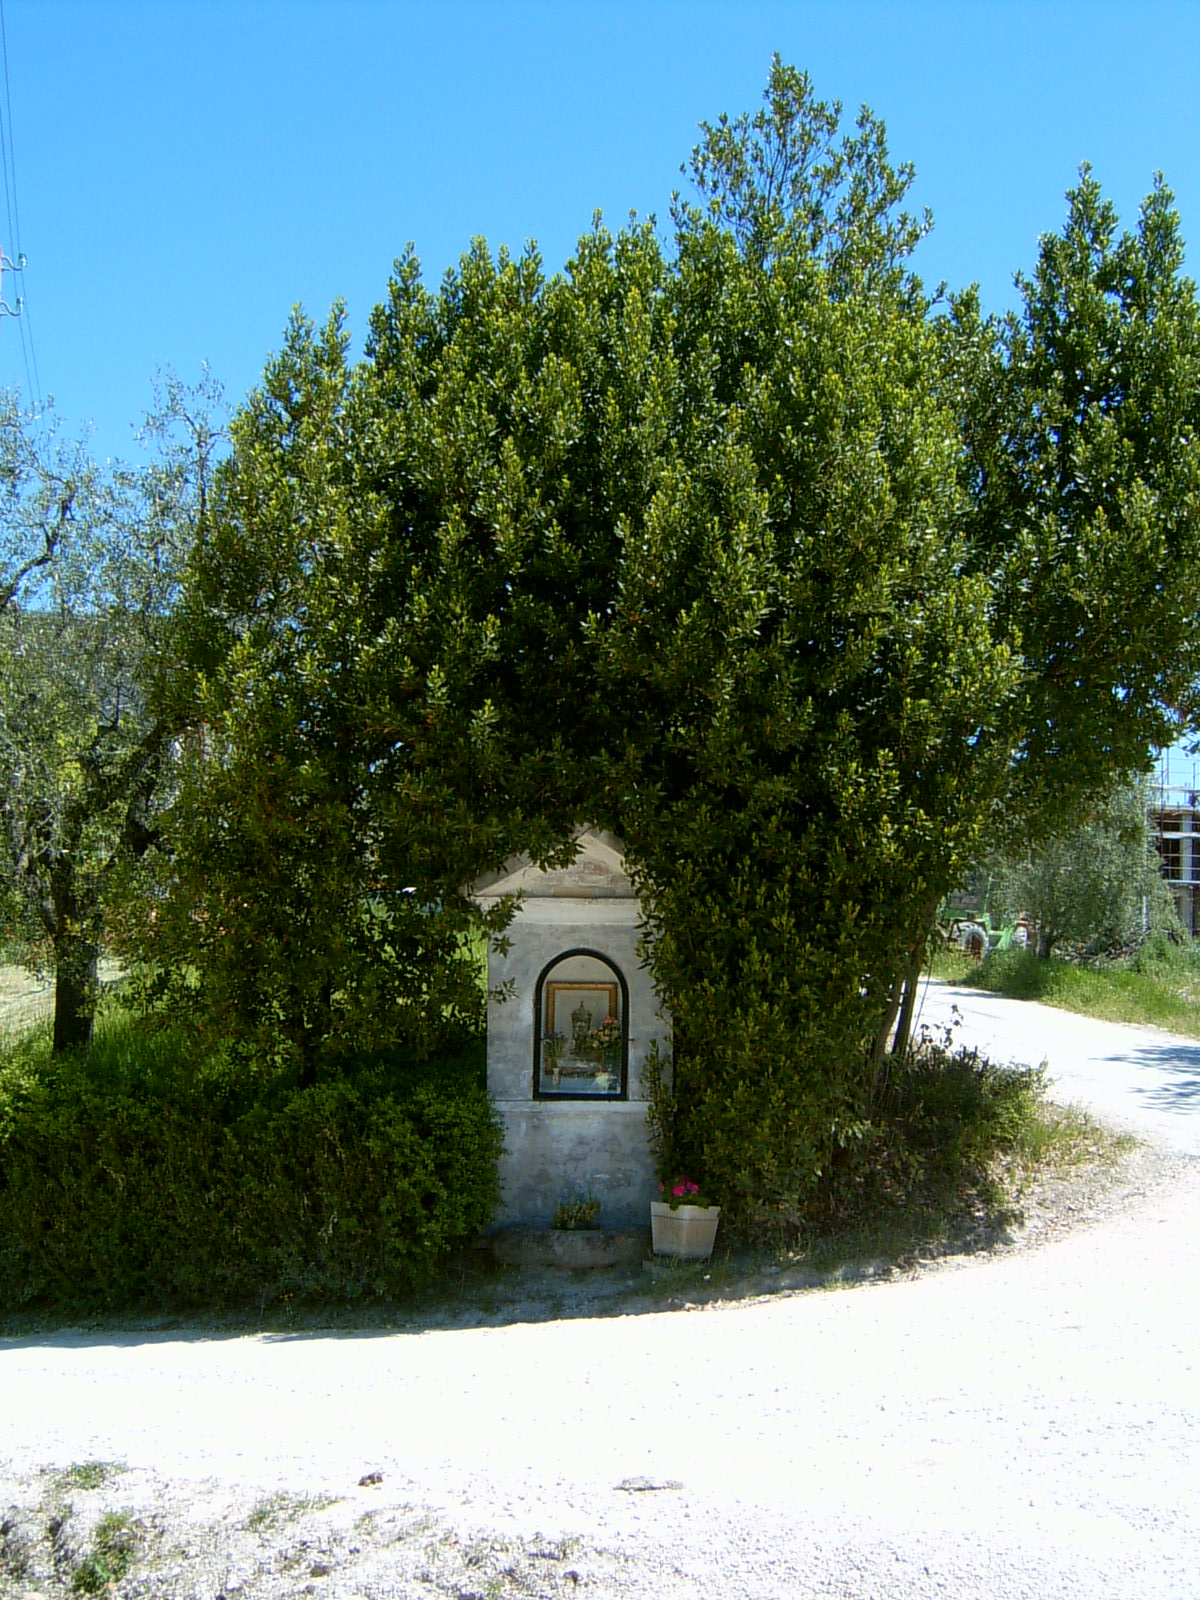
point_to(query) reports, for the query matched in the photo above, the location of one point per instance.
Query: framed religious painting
(581, 1037)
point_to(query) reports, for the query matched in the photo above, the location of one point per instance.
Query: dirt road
(1026, 1426)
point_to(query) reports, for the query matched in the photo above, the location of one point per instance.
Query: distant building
(1174, 814)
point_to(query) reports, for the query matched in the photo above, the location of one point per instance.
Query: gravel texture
(1020, 1424)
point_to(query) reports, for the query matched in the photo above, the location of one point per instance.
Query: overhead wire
(13, 213)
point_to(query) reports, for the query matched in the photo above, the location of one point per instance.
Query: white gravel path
(1143, 1079)
(1023, 1426)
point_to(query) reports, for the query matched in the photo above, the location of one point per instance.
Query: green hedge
(124, 1186)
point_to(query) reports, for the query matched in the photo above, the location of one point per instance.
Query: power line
(6, 142)
(13, 212)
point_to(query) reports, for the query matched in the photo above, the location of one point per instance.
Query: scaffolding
(1174, 815)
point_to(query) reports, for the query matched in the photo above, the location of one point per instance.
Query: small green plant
(283, 1507)
(114, 1541)
(570, 1215)
(88, 1474)
(554, 1047)
(1058, 1138)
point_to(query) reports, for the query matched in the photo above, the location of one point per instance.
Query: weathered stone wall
(611, 930)
(563, 1149)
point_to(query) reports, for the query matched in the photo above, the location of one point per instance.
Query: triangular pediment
(596, 873)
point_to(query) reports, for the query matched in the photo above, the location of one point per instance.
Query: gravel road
(1026, 1425)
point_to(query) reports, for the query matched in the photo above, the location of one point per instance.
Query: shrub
(928, 1150)
(1019, 974)
(946, 1117)
(1165, 951)
(131, 1177)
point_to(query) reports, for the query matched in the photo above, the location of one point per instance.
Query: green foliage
(142, 1175)
(924, 1168)
(784, 180)
(281, 1508)
(307, 899)
(1157, 990)
(570, 1215)
(1099, 887)
(947, 1117)
(114, 1544)
(90, 562)
(88, 1475)
(802, 671)
(1168, 951)
(1081, 416)
(747, 552)
(906, 626)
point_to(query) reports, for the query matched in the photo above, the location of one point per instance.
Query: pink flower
(683, 1186)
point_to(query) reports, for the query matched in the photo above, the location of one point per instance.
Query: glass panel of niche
(582, 1030)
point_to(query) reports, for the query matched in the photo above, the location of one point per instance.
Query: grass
(283, 1507)
(88, 1475)
(114, 1542)
(1159, 987)
(1059, 1140)
(964, 1217)
(123, 1051)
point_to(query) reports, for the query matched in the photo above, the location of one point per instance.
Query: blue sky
(185, 173)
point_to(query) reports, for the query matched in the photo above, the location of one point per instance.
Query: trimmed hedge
(122, 1187)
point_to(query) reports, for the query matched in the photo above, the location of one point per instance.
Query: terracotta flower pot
(684, 1231)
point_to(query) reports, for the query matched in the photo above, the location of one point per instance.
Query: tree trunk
(76, 989)
(879, 1047)
(912, 982)
(903, 1001)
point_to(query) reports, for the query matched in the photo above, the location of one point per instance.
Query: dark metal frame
(622, 1091)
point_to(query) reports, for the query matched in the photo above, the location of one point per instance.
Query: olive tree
(89, 564)
(1097, 886)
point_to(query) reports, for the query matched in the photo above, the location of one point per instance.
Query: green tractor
(973, 933)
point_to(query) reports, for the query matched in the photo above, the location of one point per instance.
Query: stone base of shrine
(567, 1151)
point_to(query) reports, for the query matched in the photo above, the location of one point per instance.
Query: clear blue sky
(186, 172)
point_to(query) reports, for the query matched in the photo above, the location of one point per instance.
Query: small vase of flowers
(554, 1046)
(683, 1223)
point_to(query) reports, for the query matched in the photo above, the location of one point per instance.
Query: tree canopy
(743, 546)
(90, 563)
(1097, 886)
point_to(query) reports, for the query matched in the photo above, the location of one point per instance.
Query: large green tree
(1081, 415)
(1097, 886)
(322, 815)
(89, 565)
(747, 549)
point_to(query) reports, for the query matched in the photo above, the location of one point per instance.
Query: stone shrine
(572, 1016)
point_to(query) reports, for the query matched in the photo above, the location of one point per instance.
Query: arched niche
(581, 1029)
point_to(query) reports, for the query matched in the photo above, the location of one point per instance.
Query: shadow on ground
(1179, 1065)
(479, 1292)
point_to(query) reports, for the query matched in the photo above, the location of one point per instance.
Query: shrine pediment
(596, 873)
